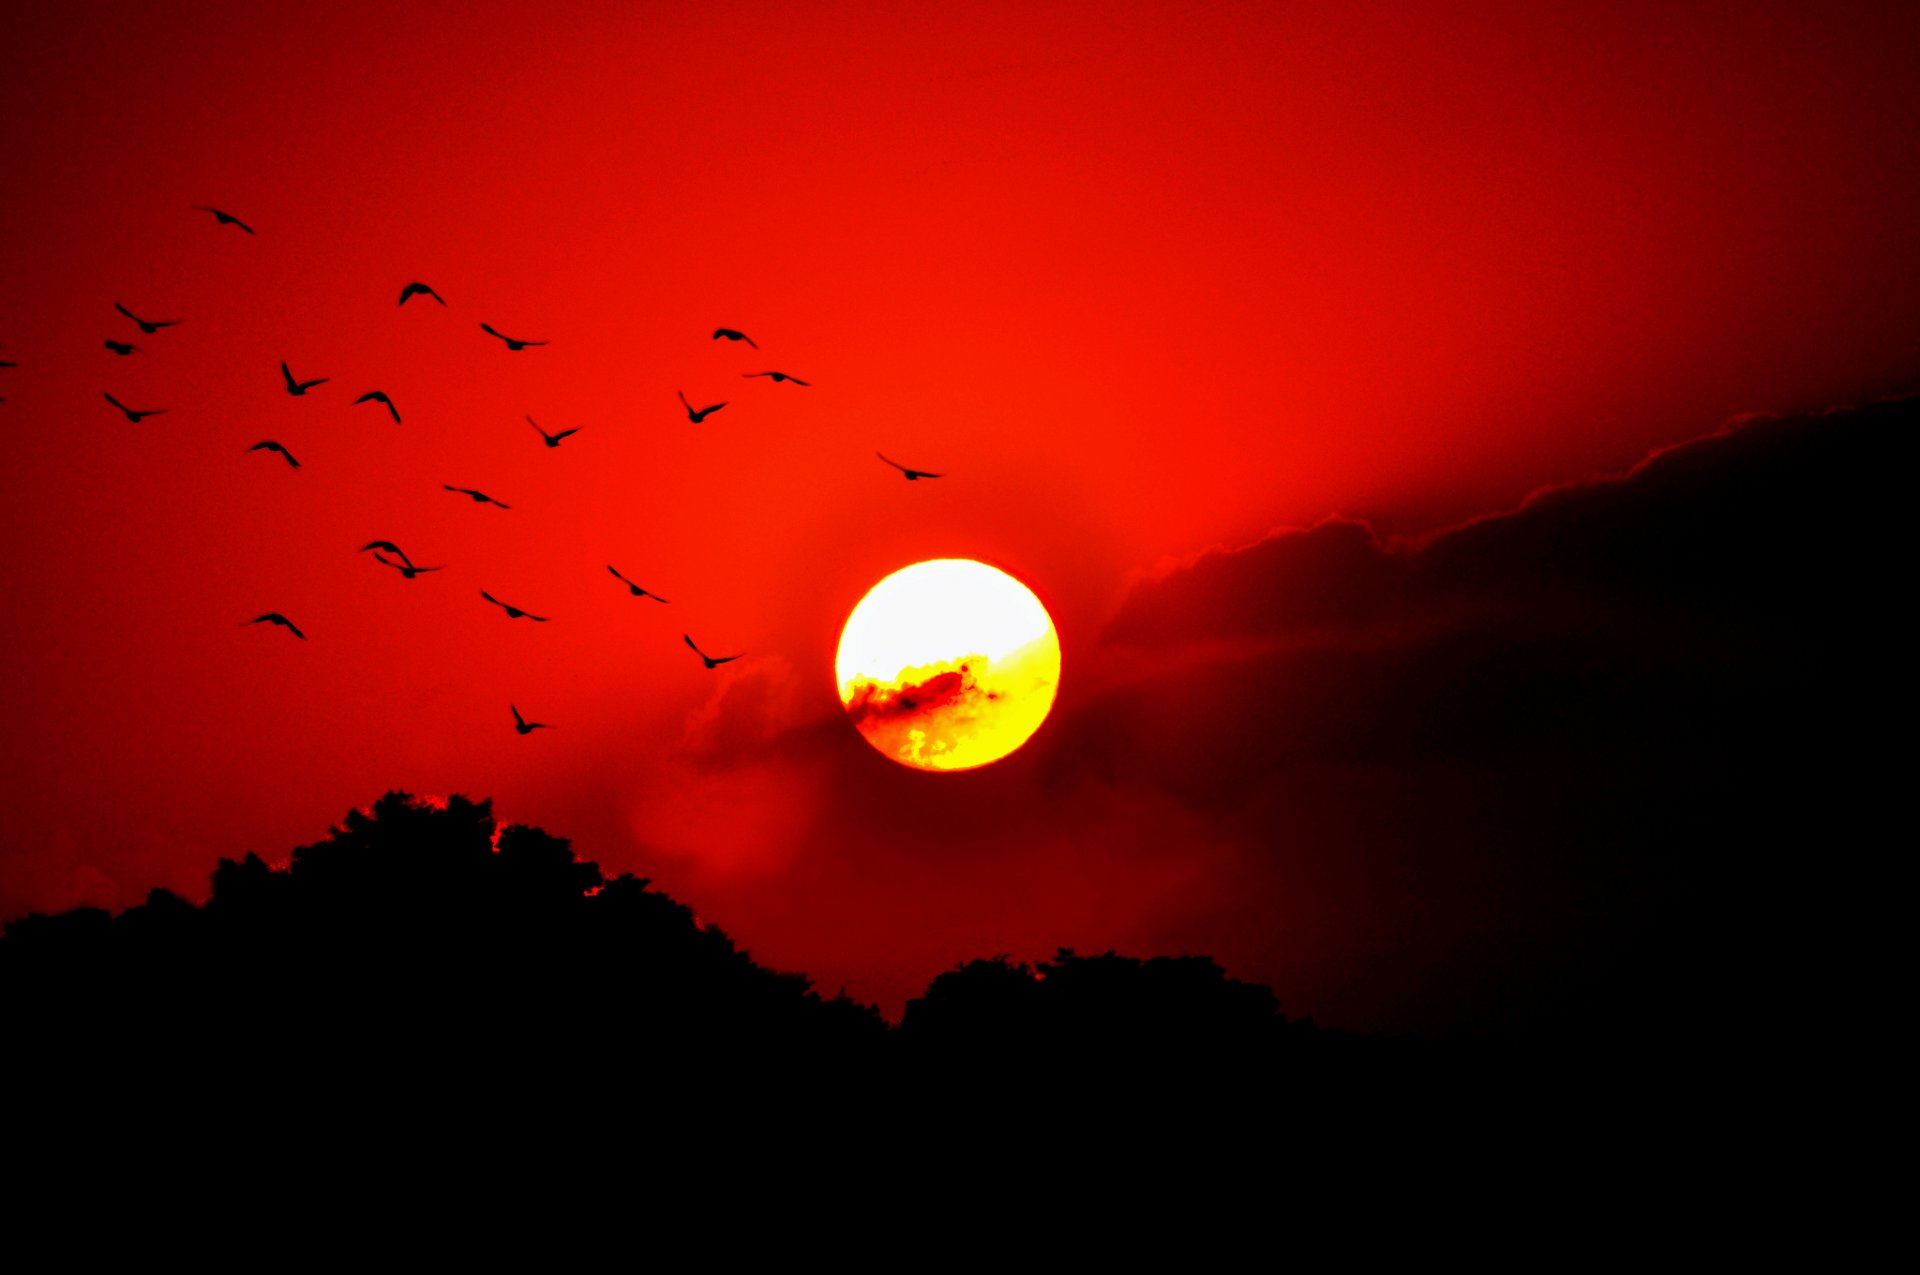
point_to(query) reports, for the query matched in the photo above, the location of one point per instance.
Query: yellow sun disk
(949, 664)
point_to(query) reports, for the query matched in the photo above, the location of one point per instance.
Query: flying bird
(271, 446)
(132, 415)
(513, 613)
(147, 326)
(777, 377)
(379, 396)
(511, 343)
(390, 547)
(298, 388)
(524, 726)
(274, 617)
(635, 589)
(697, 416)
(123, 349)
(731, 335)
(421, 289)
(479, 497)
(911, 474)
(406, 569)
(713, 661)
(553, 440)
(225, 218)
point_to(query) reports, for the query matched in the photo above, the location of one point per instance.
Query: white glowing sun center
(948, 664)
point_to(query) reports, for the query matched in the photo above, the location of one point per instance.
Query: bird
(298, 388)
(777, 377)
(390, 547)
(912, 474)
(524, 726)
(511, 343)
(379, 396)
(732, 335)
(479, 497)
(635, 589)
(274, 617)
(553, 440)
(697, 416)
(123, 349)
(132, 415)
(713, 661)
(224, 218)
(271, 446)
(406, 569)
(513, 613)
(147, 326)
(421, 289)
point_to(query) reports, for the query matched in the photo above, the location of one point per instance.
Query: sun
(948, 664)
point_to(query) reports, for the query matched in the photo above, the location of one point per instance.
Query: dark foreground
(422, 960)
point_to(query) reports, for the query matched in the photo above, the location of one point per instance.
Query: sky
(1158, 289)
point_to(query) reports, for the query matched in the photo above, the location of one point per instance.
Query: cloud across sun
(948, 664)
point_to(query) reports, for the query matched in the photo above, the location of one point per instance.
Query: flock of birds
(390, 554)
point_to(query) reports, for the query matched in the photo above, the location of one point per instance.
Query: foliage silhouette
(421, 948)
(412, 931)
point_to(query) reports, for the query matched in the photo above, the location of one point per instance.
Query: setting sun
(948, 664)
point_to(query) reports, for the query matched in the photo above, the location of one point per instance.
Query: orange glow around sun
(948, 664)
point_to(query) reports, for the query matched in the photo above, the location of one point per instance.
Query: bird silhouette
(224, 218)
(274, 617)
(271, 446)
(553, 440)
(697, 416)
(732, 335)
(146, 325)
(123, 349)
(912, 474)
(421, 289)
(298, 388)
(524, 726)
(713, 661)
(132, 415)
(379, 396)
(511, 343)
(777, 377)
(406, 569)
(479, 497)
(513, 613)
(390, 547)
(635, 589)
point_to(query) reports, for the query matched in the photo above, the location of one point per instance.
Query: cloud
(932, 692)
(1333, 575)
(750, 707)
(1595, 733)
(1730, 521)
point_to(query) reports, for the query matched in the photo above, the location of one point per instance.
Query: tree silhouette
(421, 952)
(416, 938)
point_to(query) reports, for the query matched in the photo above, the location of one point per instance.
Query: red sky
(1139, 279)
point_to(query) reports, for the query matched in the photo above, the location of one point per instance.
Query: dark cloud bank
(1623, 754)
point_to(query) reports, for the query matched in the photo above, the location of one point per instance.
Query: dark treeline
(420, 940)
